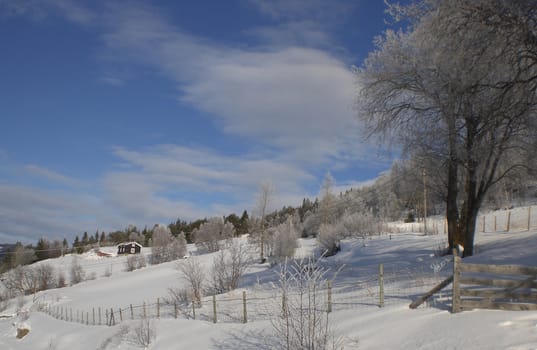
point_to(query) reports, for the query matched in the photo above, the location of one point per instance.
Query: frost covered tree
(194, 274)
(328, 200)
(457, 87)
(264, 197)
(165, 247)
(284, 241)
(211, 234)
(229, 266)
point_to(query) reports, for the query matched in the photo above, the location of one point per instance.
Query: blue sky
(137, 112)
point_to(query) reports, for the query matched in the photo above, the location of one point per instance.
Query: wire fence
(507, 220)
(392, 285)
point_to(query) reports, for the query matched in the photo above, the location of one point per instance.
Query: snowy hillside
(410, 269)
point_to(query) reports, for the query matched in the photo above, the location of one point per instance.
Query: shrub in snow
(303, 320)
(135, 262)
(165, 247)
(194, 274)
(284, 241)
(61, 280)
(4, 300)
(358, 224)
(209, 236)
(328, 239)
(45, 277)
(20, 281)
(228, 267)
(145, 332)
(76, 272)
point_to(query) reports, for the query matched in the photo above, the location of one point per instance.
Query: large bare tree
(457, 88)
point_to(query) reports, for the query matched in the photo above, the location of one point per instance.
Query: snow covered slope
(360, 324)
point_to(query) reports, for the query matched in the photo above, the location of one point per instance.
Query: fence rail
(503, 287)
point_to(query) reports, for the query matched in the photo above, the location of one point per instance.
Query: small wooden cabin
(129, 248)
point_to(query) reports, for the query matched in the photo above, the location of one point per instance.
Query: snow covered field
(410, 268)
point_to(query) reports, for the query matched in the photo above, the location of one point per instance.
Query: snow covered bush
(194, 274)
(145, 332)
(134, 262)
(165, 247)
(228, 267)
(44, 273)
(303, 321)
(328, 239)
(76, 271)
(284, 241)
(209, 236)
(20, 281)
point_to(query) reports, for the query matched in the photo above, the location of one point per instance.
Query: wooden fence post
(175, 309)
(245, 316)
(484, 229)
(158, 307)
(120, 315)
(77, 316)
(381, 285)
(508, 220)
(107, 320)
(529, 217)
(145, 314)
(456, 298)
(71, 314)
(193, 309)
(87, 318)
(132, 313)
(112, 319)
(214, 308)
(494, 223)
(94, 316)
(100, 316)
(329, 306)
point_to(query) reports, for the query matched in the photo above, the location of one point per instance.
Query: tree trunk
(452, 211)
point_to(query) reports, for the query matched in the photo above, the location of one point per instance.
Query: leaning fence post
(456, 298)
(214, 308)
(112, 319)
(120, 315)
(329, 306)
(381, 285)
(245, 316)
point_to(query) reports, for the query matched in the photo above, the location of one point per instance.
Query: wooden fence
(503, 287)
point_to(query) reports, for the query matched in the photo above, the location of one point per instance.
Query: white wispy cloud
(156, 182)
(295, 99)
(71, 10)
(51, 175)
